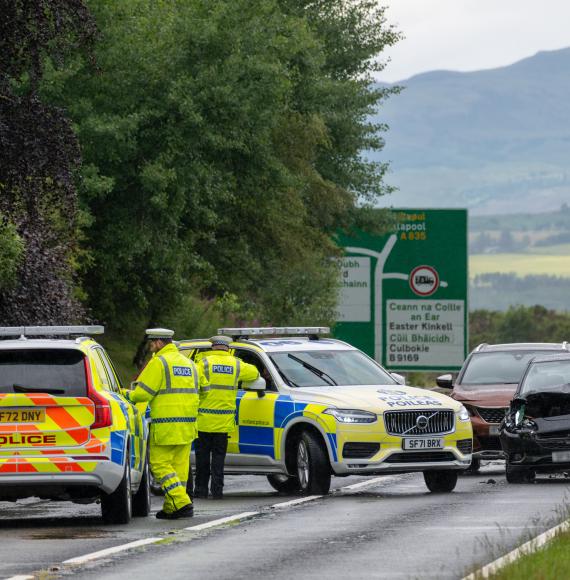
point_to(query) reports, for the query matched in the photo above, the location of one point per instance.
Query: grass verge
(551, 562)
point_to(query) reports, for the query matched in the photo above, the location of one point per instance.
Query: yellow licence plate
(22, 415)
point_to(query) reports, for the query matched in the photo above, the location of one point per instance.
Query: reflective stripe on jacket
(223, 372)
(170, 383)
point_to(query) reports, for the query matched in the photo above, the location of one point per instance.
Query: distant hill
(496, 141)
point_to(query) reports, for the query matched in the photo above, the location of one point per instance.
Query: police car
(66, 432)
(325, 408)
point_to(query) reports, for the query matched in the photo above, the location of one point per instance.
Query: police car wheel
(313, 469)
(284, 483)
(117, 507)
(442, 481)
(141, 500)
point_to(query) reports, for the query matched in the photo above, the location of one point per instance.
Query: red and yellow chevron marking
(66, 424)
(45, 465)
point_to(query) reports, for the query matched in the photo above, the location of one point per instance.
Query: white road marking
(370, 482)
(21, 577)
(527, 548)
(113, 550)
(293, 502)
(220, 521)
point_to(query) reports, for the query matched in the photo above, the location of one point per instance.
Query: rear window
(58, 371)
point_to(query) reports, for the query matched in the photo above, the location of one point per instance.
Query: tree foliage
(519, 324)
(39, 156)
(223, 148)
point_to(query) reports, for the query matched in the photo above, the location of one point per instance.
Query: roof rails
(481, 346)
(27, 331)
(312, 332)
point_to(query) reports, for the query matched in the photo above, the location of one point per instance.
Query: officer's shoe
(218, 496)
(200, 495)
(185, 512)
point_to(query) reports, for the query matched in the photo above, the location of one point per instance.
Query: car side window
(100, 368)
(113, 376)
(253, 359)
(104, 371)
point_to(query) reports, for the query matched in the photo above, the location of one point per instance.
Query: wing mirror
(400, 379)
(258, 386)
(445, 381)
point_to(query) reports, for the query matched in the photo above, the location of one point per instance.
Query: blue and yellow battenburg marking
(261, 423)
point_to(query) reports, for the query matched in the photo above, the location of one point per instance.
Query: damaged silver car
(535, 434)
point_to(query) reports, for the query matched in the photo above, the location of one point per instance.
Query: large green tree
(223, 147)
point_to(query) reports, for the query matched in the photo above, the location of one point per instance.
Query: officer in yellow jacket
(216, 415)
(170, 383)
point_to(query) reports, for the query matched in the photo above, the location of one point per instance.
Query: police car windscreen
(329, 368)
(491, 368)
(59, 371)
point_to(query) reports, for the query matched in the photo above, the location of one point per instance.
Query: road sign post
(403, 296)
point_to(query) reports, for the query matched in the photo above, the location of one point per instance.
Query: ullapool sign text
(403, 296)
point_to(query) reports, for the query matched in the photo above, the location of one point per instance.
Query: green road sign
(403, 297)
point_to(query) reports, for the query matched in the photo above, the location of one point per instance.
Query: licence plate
(423, 443)
(494, 430)
(22, 415)
(561, 456)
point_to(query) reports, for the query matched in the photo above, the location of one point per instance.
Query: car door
(255, 439)
(133, 418)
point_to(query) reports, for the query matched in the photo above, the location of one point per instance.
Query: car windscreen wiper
(321, 374)
(30, 389)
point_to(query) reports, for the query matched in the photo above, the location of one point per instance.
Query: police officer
(170, 383)
(216, 415)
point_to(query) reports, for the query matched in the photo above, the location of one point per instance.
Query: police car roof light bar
(312, 331)
(51, 330)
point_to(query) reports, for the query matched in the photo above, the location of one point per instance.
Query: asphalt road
(393, 529)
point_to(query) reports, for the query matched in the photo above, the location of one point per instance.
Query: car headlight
(463, 414)
(351, 415)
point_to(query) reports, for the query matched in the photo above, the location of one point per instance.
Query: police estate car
(66, 432)
(325, 408)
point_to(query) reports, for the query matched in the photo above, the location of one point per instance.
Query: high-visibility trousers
(169, 465)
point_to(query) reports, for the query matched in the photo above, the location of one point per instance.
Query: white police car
(326, 408)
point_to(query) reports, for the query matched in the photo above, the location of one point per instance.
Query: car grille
(491, 415)
(549, 443)
(420, 457)
(465, 446)
(405, 422)
(359, 450)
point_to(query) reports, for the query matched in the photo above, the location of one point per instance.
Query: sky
(466, 35)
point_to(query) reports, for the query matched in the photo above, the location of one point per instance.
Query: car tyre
(141, 500)
(117, 507)
(443, 481)
(518, 474)
(284, 483)
(475, 466)
(312, 464)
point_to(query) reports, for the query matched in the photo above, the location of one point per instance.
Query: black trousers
(211, 449)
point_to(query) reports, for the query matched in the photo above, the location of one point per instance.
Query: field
(520, 264)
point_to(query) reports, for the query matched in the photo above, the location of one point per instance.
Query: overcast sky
(472, 34)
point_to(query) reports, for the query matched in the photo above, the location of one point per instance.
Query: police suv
(323, 407)
(66, 432)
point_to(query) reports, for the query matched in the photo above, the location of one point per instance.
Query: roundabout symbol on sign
(424, 280)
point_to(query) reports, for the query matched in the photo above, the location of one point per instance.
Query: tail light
(102, 407)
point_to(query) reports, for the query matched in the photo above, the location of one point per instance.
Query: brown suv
(486, 384)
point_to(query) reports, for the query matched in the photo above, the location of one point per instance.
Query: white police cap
(159, 333)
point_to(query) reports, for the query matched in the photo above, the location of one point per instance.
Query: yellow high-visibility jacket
(170, 383)
(223, 371)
